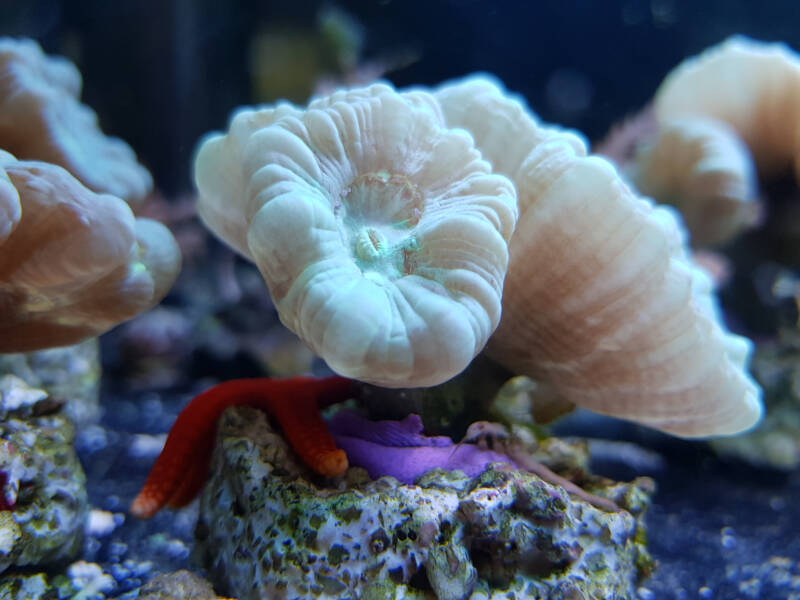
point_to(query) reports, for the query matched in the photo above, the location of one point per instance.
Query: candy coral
(716, 119)
(702, 168)
(182, 467)
(41, 118)
(10, 209)
(343, 240)
(752, 86)
(74, 263)
(601, 298)
(382, 234)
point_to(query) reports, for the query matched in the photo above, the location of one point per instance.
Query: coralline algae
(266, 529)
(71, 373)
(44, 484)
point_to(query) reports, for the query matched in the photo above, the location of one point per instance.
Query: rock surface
(42, 485)
(267, 529)
(71, 373)
(180, 585)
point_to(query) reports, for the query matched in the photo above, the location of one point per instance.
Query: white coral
(381, 234)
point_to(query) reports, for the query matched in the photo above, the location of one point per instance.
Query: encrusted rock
(84, 581)
(43, 500)
(71, 373)
(180, 585)
(27, 587)
(267, 529)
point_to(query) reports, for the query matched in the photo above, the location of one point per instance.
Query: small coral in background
(752, 86)
(286, 61)
(42, 118)
(76, 263)
(702, 168)
(716, 119)
(294, 63)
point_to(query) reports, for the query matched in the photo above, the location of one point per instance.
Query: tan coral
(701, 167)
(10, 209)
(41, 118)
(753, 86)
(504, 130)
(381, 234)
(77, 263)
(224, 181)
(601, 298)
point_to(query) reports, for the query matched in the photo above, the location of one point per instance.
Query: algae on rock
(42, 482)
(267, 529)
(178, 585)
(71, 373)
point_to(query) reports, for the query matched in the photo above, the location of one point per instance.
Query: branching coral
(41, 118)
(601, 298)
(381, 233)
(76, 263)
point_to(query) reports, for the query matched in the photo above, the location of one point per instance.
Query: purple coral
(400, 449)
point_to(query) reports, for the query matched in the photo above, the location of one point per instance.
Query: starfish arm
(526, 462)
(308, 434)
(187, 450)
(193, 478)
(331, 390)
(295, 406)
(182, 467)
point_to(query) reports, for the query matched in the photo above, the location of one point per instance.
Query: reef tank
(445, 300)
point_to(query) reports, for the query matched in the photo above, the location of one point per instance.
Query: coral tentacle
(182, 467)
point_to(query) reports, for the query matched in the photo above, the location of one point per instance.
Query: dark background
(160, 73)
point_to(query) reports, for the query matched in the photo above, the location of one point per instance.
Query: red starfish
(182, 467)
